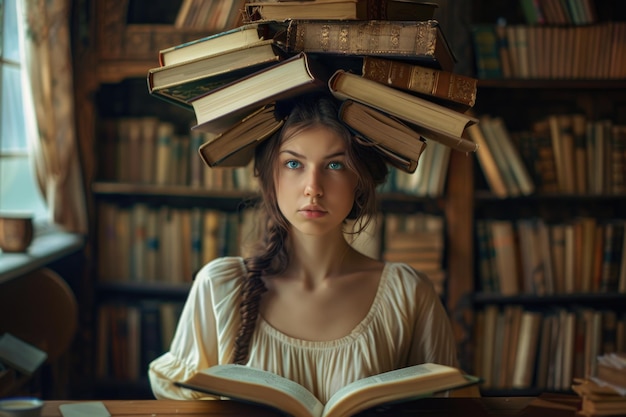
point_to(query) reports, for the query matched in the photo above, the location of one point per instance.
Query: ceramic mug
(20, 407)
(16, 231)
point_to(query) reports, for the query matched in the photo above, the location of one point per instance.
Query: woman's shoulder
(402, 275)
(223, 270)
(403, 270)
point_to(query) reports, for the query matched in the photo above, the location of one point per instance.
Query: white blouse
(406, 325)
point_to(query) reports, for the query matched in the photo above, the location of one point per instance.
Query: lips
(312, 211)
(313, 208)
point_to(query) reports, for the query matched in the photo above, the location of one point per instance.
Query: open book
(257, 386)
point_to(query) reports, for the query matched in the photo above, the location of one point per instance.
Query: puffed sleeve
(203, 336)
(433, 339)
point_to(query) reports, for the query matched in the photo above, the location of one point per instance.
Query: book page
(285, 387)
(410, 382)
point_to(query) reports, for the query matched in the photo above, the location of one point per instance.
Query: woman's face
(314, 187)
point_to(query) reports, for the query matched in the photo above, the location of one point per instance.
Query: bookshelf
(581, 316)
(115, 46)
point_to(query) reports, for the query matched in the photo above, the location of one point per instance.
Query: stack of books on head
(394, 77)
(605, 393)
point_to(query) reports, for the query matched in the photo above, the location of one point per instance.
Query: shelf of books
(127, 33)
(550, 196)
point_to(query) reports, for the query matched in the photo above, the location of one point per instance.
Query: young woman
(306, 305)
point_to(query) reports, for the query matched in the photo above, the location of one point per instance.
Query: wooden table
(428, 407)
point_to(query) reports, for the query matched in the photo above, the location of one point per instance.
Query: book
(503, 236)
(512, 155)
(219, 109)
(420, 41)
(214, 44)
(611, 369)
(311, 9)
(398, 10)
(392, 134)
(445, 87)
(579, 133)
(395, 159)
(20, 355)
(529, 331)
(512, 317)
(383, 130)
(612, 251)
(599, 399)
(487, 162)
(340, 9)
(183, 81)
(496, 145)
(489, 317)
(486, 263)
(261, 387)
(235, 146)
(211, 16)
(504, 48)
(544, 161)
(437, 122)
(486, 51)
(437, 178)
(563, 145)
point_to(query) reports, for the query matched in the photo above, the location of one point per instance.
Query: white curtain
(50, 95)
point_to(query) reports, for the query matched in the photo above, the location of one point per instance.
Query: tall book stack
(393, 77)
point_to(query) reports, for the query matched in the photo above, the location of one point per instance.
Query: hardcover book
(312, 9)
(257, 386)
(224, 106)
(184, 81)
(235, 146)
(385, 131)
(421, 41)
(447, 88)
(340, 9)
(434, 120)
(217, 43)
(395, 159)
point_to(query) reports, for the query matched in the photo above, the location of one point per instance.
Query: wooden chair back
(41, 309)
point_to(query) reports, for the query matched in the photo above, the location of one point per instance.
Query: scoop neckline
(348, 338)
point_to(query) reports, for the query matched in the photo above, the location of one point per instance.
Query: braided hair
(270, 257)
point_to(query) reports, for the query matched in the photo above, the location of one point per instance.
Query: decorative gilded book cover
(422, 41)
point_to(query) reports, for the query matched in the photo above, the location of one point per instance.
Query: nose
(313, 186)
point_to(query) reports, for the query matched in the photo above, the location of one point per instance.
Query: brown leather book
(421, 41)
(445, 87)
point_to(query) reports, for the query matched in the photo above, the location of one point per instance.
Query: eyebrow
(298, 155)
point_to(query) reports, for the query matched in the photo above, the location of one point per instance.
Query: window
(18, 189)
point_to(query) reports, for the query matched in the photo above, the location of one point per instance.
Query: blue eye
(292, 164)
(336, 165)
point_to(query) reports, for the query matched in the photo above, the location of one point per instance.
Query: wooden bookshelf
(522, 102)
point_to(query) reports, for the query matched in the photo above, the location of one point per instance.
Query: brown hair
(270, 256)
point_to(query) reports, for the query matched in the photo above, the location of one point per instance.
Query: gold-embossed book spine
(445, 85)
